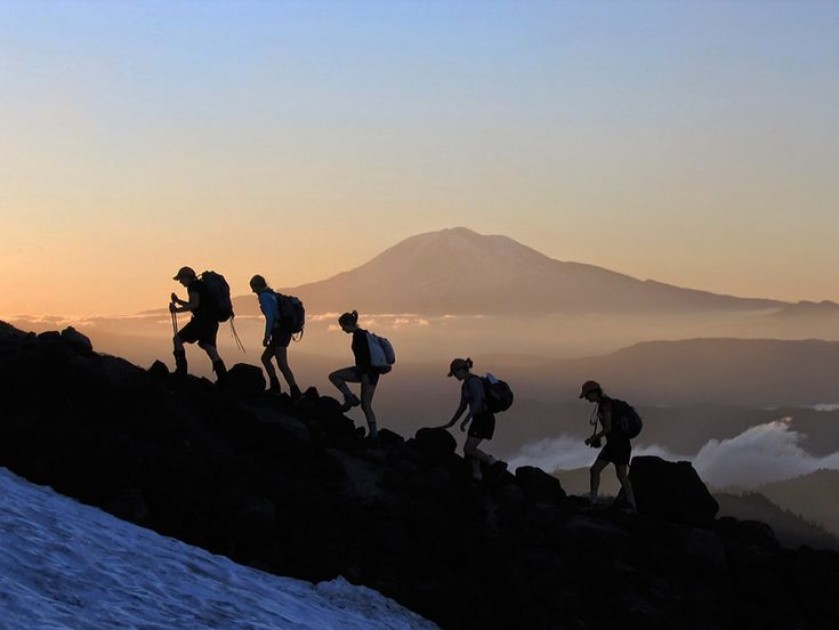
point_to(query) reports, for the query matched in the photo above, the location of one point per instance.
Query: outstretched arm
(460, 409)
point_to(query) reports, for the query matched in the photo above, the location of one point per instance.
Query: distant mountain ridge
(460, 272)
(761, 372)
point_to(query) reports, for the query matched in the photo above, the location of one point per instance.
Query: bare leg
(273, 381)
(340, 378)
(218, 365)
(475, 456)
(367, 391)
(210, 350)
(180, 356)
(282, 361)
(626, 485)
(595, 471)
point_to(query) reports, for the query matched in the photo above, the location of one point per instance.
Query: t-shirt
(472, 393)
(204, 310)
(361, 349)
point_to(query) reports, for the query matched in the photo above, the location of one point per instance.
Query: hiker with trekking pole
(207, 310)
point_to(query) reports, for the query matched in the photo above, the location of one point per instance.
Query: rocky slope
(290, 487)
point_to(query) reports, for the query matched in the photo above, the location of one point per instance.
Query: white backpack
(382, 356)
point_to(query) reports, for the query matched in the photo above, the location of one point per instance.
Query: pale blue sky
(691, 142)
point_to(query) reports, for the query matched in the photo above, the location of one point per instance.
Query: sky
(694, 143)
(67, 565)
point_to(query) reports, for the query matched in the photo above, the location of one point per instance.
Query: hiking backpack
(292, 313)
(218, 291)
(497, 393)
(382, 355)
(625, 418)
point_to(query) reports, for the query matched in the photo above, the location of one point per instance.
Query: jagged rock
(77, 340)
(672, 490)
(244, 381)
(159, 370)
(436, 445)
(539, 485)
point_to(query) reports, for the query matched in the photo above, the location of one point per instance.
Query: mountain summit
(458, 271)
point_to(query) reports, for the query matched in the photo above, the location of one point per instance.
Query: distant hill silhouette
(763, 372)
(458, 271)
(791, 529)
(812, 496)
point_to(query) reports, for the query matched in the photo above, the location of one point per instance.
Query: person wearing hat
(482, 420)
(617, 450)
(202, 328)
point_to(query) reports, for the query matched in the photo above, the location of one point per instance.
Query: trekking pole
(236, 337)
(174, 323)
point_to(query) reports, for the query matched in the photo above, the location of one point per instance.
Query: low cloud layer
(761, 454)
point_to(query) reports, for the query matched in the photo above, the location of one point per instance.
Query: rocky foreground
(290, 487)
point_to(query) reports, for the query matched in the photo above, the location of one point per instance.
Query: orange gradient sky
(694, 143)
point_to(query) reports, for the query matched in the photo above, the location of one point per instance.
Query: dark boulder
(244, 381)
(672, 490)
(539, 485)
(78, 341)
(436, 445)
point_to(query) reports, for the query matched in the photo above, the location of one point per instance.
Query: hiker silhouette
(276, 339)
(617, 450)
(480, 419)
(201, 328)
(363, 372)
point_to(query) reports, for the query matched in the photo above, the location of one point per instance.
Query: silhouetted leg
(367, 391)
(595, 470)
(623, 476)
(476, 456)
(340, 378)
(218, 365)
(180, 356)
(282, 361)
(274, 382)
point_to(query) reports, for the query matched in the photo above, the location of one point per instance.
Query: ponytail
(350, 319)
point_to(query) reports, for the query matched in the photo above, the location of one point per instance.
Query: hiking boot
(350, 402)
(220, 370)
(296, 394)
(180, 363)
(274, 386)
(499, 465)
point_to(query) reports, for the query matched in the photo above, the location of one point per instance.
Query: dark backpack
(292, 313)
(625, 418)
(497, 393)
(218, 293)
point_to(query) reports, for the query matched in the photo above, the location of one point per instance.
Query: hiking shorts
(617, 451)
(199, 329)
(482, 426)
(372, 375)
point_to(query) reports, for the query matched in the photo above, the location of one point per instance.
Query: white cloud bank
(761, 454)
